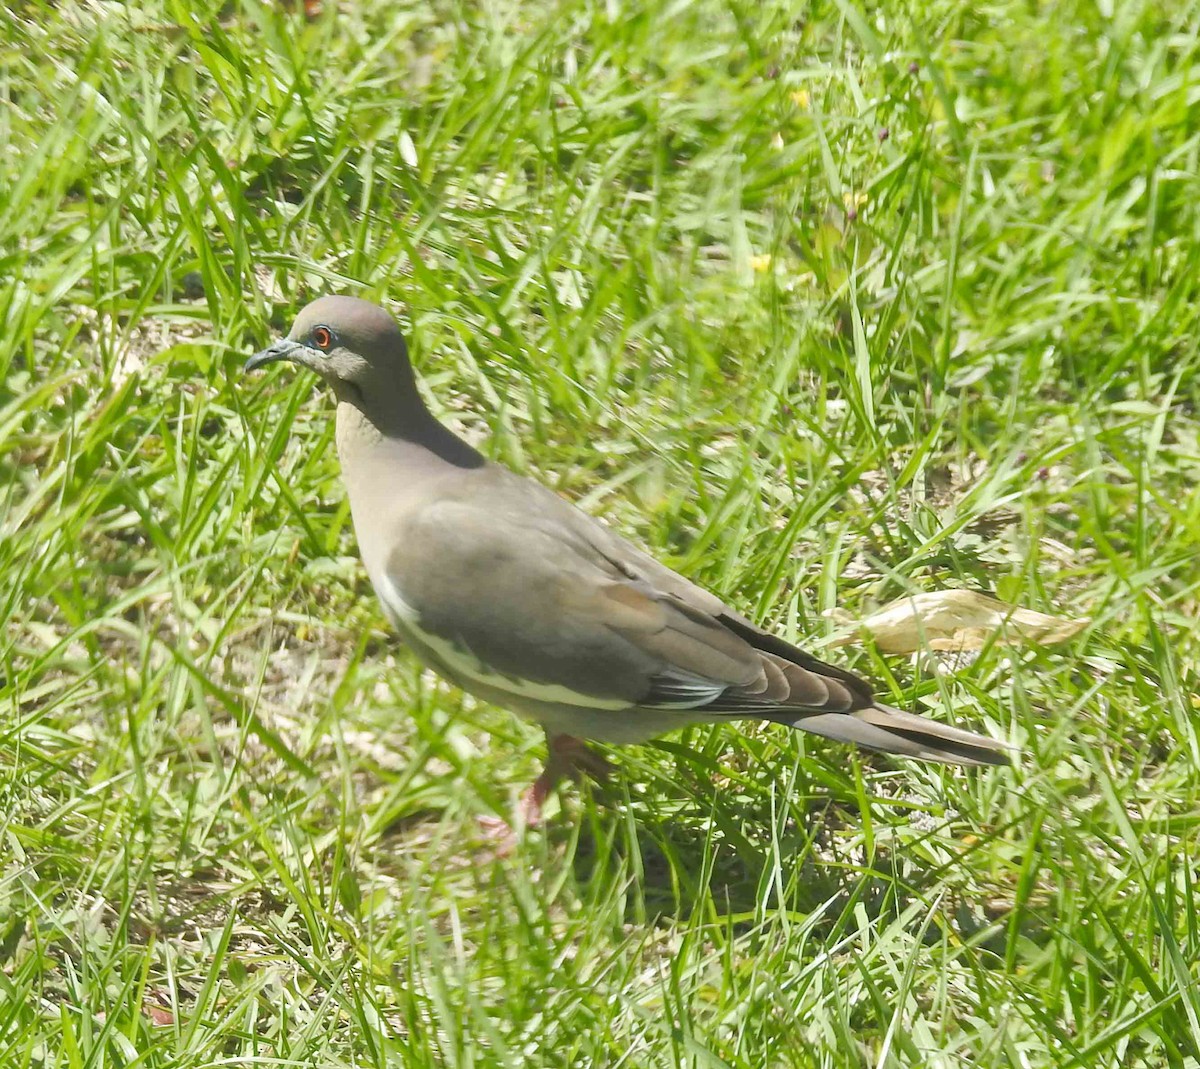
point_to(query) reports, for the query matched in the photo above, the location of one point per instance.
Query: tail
(881, 727)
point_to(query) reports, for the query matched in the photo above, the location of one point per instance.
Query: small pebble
(192, 285)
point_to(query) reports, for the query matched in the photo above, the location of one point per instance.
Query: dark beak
(284, 349)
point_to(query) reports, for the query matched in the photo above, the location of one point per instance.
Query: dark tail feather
(880, 727)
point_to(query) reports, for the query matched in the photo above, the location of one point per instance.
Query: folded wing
(540, 600)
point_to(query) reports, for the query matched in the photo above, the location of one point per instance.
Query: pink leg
(567, 756)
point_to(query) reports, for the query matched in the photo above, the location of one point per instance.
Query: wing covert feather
(538, 591)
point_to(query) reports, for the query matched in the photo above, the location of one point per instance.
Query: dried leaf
(960, 620)
(157, 1006)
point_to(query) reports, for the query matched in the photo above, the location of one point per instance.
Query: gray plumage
(517, 596)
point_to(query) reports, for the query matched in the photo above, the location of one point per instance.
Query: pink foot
(499, 833)
(568, 757)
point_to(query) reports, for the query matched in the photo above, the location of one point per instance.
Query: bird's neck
(397, 424)
(387, 463)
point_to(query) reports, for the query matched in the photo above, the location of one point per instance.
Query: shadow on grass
(726, 862)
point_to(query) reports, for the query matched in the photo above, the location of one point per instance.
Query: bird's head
(352, 344)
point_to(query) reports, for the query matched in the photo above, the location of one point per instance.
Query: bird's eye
(322, 338)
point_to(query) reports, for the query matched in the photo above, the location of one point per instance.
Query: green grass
(238, 823)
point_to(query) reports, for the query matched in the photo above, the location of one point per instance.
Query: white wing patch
(467, 665)
(682, 690)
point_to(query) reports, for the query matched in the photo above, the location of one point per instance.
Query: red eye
(322, 337)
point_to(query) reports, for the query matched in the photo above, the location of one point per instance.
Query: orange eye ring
(323, 338)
